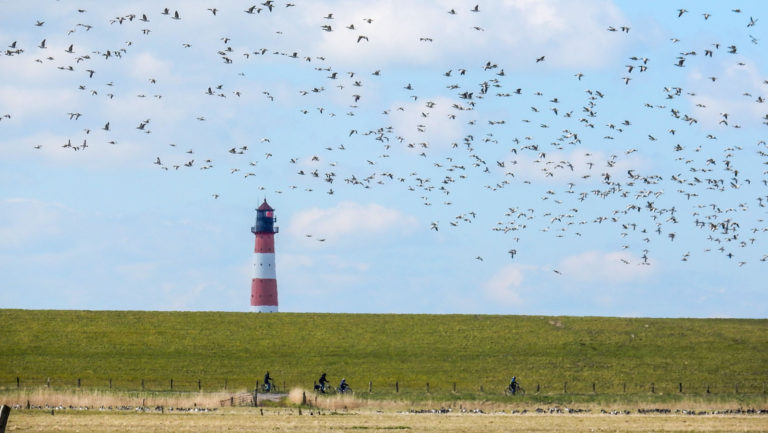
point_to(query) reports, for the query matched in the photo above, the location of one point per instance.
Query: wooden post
(454, 386)
(142, 384)
(256, 396)
(78, 382)
(707, 388)
(593, 387)
(565, 387)
(370, 387)
(538, 388)
(48, 383)
(653, 388)
(232, 401)
(225, 384)
(625, 387)
(680, 387)
(18, 382)
(304, 398)
(171, 383)
(397, 387)
(736, 387)
(199, 386)
(5, 412)
(427, 387)
(110, 383)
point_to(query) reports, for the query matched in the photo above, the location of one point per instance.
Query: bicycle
(344, 390)
(269, 387)
(518, 391)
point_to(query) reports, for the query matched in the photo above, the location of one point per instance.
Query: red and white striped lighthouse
(264, 282)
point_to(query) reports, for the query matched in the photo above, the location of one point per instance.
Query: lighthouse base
(263, 308)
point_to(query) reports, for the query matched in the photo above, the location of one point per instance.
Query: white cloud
(421, 125)
(23, 220)
(36, 103)
(515, 32)
(505, 285)
(582, 162)
(348, 219)
(612, 267)
(734, 91)
(145, 66)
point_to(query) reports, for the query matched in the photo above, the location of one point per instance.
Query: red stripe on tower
(264, 282)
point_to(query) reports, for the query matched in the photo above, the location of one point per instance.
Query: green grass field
(128, 347)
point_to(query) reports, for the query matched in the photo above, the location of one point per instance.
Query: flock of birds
(711, 187)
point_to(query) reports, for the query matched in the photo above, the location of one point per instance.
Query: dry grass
(288, 420)
(44, 397)
(96, 398)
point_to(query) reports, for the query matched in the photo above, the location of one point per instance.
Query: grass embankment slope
(131, 346)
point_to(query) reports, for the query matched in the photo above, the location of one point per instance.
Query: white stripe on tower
(264, 266)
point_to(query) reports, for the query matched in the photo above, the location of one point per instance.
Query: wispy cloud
(613, 267)
(349, 220)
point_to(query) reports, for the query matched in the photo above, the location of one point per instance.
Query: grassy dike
(235, 349)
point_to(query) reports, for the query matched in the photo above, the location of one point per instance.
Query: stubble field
(288, 420)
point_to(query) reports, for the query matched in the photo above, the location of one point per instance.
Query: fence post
(653, 388)
(454, 386)
(110, 383)
(5, 412)
(427, 387)
(48, 382)
(171, 383)
(593, 388)
(18, 382)
(565, 387)
(199, 386)
(304, 398)
(707, 388)
(370, 387)
(538, 388)
(78, 382)
(736, 388)
(397, 387)
(625, 387)
(225, 384)
(256, 396)
(680, 387)
(481, 388)
(142, 384)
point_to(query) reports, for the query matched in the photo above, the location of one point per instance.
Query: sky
(548, 157)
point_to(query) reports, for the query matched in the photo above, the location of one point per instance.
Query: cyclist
(343, 387)
(513, 385)
(268, 382)
(322, 382)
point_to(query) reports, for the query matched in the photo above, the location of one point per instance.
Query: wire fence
(388, 387)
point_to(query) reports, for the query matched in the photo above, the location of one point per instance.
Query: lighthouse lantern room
(264, 282)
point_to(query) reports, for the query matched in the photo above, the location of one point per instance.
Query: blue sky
(625, 169)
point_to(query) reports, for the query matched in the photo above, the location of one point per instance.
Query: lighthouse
(264, 282)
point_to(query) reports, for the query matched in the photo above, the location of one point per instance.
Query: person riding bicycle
(513, 385)
(322, 382)
(343, 387)
(268, 382)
